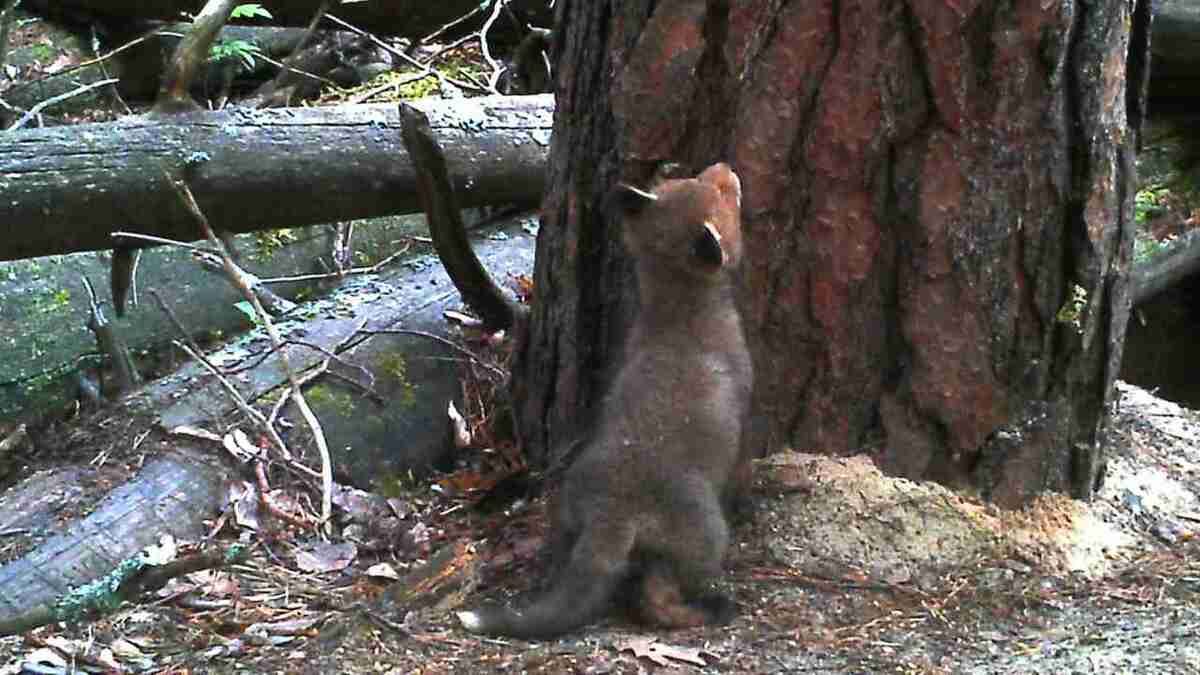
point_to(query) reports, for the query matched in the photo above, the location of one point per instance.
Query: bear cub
(644, 504)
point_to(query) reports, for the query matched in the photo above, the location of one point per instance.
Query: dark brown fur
(647, 496)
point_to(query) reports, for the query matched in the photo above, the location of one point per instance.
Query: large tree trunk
(66, 189)
(938, 205)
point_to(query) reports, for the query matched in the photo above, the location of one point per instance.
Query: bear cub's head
(689, 227)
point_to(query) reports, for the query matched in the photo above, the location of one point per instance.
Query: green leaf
(250, 11)
(246, 308)
(242, 50)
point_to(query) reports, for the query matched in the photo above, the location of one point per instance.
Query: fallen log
(66, 189)
(181, 484)
(1175, 49)
(401, 18)
(1166, 268)
(171, 495)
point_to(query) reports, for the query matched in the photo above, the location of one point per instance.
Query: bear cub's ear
(627, 200)
(725, 181)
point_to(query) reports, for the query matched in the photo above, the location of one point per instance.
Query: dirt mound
(834, 513)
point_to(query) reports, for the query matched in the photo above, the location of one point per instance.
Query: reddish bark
(926, 186)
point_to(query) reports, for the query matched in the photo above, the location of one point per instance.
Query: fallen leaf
(382, 571)
(44, 657)
(162, 553)
(125, 649)
(238, 444)
(244, 498)
(195, 432)
(360, 506)
(324, 557)
(215, 583)
(462, 319)
(661, 654)
(458, 424)
(288, 627)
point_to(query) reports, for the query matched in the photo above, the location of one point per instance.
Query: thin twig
(436, 338)
(450, 47)
(42, 105)
(497, 69)
(405, 57)
(292, 69)
(116, 91)
(179, 327)
(286, 63)
(6, 19)
(314, 424)
(304, 379)
(315, 347)
(465, 17)
(308, 32)
(375, 91)
(244, 405)
(105, 57)
(121, 234)
(373, 269)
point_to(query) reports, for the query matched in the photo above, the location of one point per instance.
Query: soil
(839, 570)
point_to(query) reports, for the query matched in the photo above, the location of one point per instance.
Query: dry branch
(444, 216)
(190, 55)
(236, 275)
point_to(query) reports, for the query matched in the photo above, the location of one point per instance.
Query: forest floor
(840, 570)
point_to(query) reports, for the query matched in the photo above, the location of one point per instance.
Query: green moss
(331, 400)
(53, 301)
(427, 86)
(396, 485)
(394, 365)
(457, 68)
(268, 242)
(43, 53)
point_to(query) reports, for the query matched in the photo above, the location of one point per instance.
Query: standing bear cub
(644, 503)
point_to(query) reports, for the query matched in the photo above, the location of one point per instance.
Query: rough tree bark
(938, 205)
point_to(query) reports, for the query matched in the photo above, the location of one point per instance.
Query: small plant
(248, 309)
(268, 242)
(1072, 310)
(250, 11)
(238, 50)
(242, 51)
(1148, 248)
(1149, 202)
